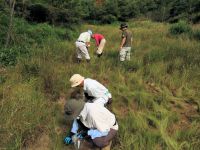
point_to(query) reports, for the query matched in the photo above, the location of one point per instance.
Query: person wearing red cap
(100, 43)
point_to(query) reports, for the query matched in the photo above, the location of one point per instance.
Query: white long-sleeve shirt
(96, 89)
(95, 116)
(85, 37)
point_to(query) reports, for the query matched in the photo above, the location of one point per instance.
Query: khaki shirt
(128, 35)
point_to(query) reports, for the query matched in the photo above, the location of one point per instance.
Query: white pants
(125, 53)
(101, 46)
(81, 50)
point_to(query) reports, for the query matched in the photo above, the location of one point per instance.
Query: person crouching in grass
(100, 43)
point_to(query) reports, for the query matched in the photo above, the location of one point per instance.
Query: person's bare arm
(87, 44)
(122, 42)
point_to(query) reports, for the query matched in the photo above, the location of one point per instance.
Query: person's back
(98, 38)
(97, 116)
(128, 35)
(84, 37)
(96, 89)
(82, 44)
(102, 123)
(100, 43)
(126, 43)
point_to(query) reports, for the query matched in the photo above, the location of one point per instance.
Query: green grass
(163, 68)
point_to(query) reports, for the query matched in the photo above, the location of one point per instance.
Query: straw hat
(76, 80)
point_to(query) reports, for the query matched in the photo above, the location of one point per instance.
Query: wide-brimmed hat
(123, 25)
(76, 80)
(72, 108)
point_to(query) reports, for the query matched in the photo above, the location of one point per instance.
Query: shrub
(30, 68)
(196, 34)
(179, 28)
(108, 19)
(8, 56)
(2, 79)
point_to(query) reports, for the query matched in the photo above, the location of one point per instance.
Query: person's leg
(122, 54)
(101, 47)
(128, 53)
(84, 52)
(78, 52)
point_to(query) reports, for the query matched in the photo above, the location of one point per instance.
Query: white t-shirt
(85, 37)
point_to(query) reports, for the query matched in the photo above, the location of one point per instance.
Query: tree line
(104, 11)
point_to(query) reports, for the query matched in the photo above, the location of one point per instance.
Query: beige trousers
(125, 54)
(82, 50)
(101, 46)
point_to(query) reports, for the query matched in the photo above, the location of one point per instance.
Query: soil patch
(187, 113)
(42, 143)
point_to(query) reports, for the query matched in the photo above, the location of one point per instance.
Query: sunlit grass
(163, 68)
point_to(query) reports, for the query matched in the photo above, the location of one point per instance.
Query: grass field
(156, 96)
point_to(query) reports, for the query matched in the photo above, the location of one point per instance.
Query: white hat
(76, 80)
(90, 31)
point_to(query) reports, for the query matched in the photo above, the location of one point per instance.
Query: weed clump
(179, 28)
(196, 34)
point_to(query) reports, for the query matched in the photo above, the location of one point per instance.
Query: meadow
(156, 95)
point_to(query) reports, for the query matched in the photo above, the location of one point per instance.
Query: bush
(2, 79)
(108, 19)
(196, 34)
(180, 27)
(8, 56)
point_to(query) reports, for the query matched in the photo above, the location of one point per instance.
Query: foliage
(179, 28)
(8, 56)
(196, 34)
(26, 36)
(155, 95)
(74, 11)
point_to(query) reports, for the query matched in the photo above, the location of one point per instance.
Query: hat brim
(76, 110)
(123, 27)
(78, 83)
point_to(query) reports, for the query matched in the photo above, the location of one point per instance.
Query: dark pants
(105, 140)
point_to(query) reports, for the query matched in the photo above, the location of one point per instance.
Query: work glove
(68, 140)
(80, 136)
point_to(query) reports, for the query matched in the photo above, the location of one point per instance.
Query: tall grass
(162, 69)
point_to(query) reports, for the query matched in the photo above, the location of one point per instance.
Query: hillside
(156, 96)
